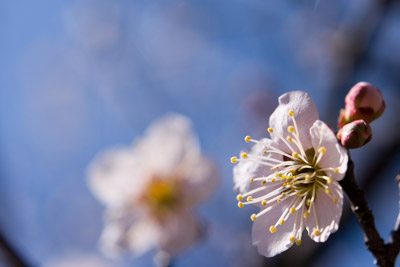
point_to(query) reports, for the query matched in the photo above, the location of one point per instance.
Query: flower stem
(385, 254)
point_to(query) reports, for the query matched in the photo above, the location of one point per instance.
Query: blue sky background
(78, 77)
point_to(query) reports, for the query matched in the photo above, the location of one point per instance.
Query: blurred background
(80, 76)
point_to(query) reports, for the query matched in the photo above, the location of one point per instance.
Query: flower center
(295, 180)
(161, 196)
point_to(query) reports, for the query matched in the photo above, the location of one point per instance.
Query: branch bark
(384, 253)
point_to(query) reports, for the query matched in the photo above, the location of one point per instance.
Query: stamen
(291, 113)
(290, 129)
(317, 232)
(244, 155)
(270, 130)
(253, 217)
(239, 197)
(233, 159)
(240, 204)
(272, 229)
(298, 242)
(264, 202)
(247, 139)
(292, 239)
(249, 198)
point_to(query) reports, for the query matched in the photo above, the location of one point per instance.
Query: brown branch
(394, 242)
(12, 257)
(385, 254)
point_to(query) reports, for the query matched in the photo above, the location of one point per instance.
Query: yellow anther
(283, 194)
(290, 129)
(292, 239)
(272, 229)
(247, 139)
(239, 197)
(291, 171)
(297, 193)
(334, 200)
(327, 190)
(263, 182)
(249, 198)
(329, 180)
(308, 178)
(306, 214)
(240, 204)
(234, 159)
(336, 171)
(273, 180)
(291, 113)
(322, 150)
(264, 202)
(244, 155)
(317, 232)
(251, 180)
(253, 217)
(308, 202)
(295, 155)
(289, 139)
(282, 221)
(292, 210)
(270, 130)
(265, 151)
(279, 200)
(298, 242)
(284, 184)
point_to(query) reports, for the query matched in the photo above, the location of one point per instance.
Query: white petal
(169, 145)
(245, 170)
(179, 232)
(335, 156)
(200, 182)
(115, 176)
(305, 114)
(114, 238)
(270, 244)
(327, 212)
(143, 236)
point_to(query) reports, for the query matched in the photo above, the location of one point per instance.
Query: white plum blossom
(292, 177)
(150, 189)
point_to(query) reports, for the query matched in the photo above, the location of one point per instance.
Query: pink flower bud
(355, 134)
(364, 101)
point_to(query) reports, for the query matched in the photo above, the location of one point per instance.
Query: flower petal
(169, 145)
(336, 156)
(179, 231)
(200, 182)
(305, 114)
(327, 213)
(143, 236)
(270, 244)
(114, 238)
(245, 170)
(114, 176)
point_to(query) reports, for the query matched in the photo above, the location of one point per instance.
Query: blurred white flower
(150, 189)
(293, 177)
